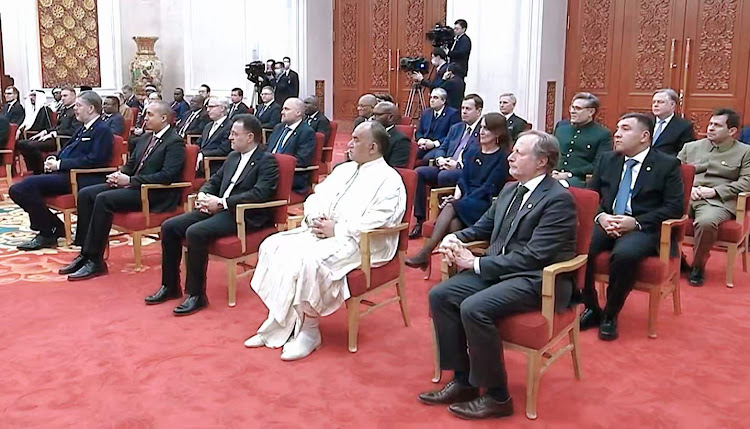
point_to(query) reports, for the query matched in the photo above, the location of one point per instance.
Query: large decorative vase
(146, 68)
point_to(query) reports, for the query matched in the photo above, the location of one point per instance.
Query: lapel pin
(529, 206)
(648, 168)
(724, 163)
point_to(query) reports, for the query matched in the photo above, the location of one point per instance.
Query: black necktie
(497, 246)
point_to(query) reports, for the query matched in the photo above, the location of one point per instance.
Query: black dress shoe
(416, 232)
(590, 319)
(89, 270)
(684, 266)
(192, 304)
(163, 295)
(696, 277)
(483, 407)
(39, 242)
(608, 329)
(418, 262)
(73, 266)
(450, 394)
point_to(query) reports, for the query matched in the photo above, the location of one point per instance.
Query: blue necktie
(659, 129)
(281, 140)
(623, 192)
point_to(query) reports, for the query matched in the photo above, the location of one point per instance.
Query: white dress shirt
(244, 159)
(291, 127)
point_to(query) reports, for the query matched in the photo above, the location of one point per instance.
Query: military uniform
(726, 169)
(580, 149)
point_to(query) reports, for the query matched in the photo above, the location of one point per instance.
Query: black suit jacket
(674, 136)
(438, 81)
(256, 184)
(269, 117)
(300, 145)
(4, 131)
(240, 109)
(320, 124)
(287, 86)
(398, 150)
(15, 114)
(455, 87)
(516, 126)
(460, 53)
(217, 145)
(67, 124)
(195, 123)
(656, 196)
(543, 233)
(163, 165)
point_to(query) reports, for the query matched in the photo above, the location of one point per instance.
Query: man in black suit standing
(90, 147)
(461, 49)
(193, 122)
(639, 188)
(287, 84)
(44, 141)
(237, 107)
(516, 125)
(294, 137)
(12, 109)
(292, 75)
(671, 132)
(249, 175)
(532, 225)
(158, 158)
(315, 118)
(397, 155)
(269, 112)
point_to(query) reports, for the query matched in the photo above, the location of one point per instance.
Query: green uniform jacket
(581, 148)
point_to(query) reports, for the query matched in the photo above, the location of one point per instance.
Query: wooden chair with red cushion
(659, 276)
(53, 119)
(67, 204)
(144, 221)
(325, 163)
(6, 155)
(126, 129)
(237, 249)
(410, 131)
(545, 335)
(135, 111)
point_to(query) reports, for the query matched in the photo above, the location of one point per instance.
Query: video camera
(255, 71)
(414, 64)
(441, 36)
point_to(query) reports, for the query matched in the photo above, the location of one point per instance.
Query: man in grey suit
(531, 225)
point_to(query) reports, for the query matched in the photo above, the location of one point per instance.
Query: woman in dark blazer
(485, 171)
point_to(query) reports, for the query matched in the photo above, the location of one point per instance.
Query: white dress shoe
(254, 341)
(302, 345)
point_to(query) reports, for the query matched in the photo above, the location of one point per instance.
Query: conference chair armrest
(28, 133)
(327, 148)
(435, 195)
(240, 217)
(145, 207)
(310, 168)
(742, 209)
(58, 141)
(665, 237)
(478, 248)
(190, 137)
(207, 164)
(191, 202)
(364, 246)
(74, 177)
(294, 221)
(6, 151)
(265, 132)
(549, 276)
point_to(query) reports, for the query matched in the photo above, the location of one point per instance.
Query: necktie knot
(521, 190)
(631, 163)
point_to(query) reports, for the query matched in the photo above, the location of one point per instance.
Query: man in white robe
(301, 274)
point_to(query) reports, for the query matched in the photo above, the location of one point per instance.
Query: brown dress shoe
(483, 407)
(450, 394)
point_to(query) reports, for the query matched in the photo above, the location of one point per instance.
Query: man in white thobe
(301, 274)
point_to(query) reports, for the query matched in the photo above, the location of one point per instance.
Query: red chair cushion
(650, 270)
(530, 329)
(380, 275)
(295, 198)
(135, 221)
(61, 201)
(427, 228)
(197, 183)
(730, 231)
(230, 246)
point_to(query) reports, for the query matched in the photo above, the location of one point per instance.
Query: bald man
(387, 114)
(365, 107)
(294, 137)
(158, 158)
(315, 118)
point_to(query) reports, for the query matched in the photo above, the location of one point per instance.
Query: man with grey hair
(530, 226)
(387, 114)
(90, 147)
(301, 274)
(294, 137)
(434, 123)
(671, 132)
(214, 141)
(516, 125)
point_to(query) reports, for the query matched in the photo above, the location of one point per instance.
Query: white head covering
(33, 110)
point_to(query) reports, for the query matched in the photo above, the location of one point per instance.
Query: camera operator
(461, 49)
(450, 79)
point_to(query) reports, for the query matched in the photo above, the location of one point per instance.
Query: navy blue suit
(89, 148)
(482, 178)
(300, 145)
(15, 113)
(115, 121)
(745, 135)
(179, 108)
(435, 128)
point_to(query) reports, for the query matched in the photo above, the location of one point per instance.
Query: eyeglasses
(210, 106)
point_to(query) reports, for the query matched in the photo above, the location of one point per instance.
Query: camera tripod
(415, 93)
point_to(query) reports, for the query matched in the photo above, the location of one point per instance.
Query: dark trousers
(199, 229)
(626, 253)
(424, 156)
(97, 206)
(431, 176)
(464, 310)
(33, 152)
(29, 195)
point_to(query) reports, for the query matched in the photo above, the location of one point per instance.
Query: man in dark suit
(448, 158)
(214, 140)
(434, 124)
(451, 80)
(158, 158)
(365, 104)
(516, 125)
(193, 122)
(179, 106)
(399, 148)
(205, 92)
(291, 77)
(294, 137)
(13, 109)
(249, 175)
(532, 225)
(639, 188)
(439, 61)
(90, 147)
(315, 118)
(111, 114)
(237, 107)
(461, 49)
(130, 99)
(44, 141)
(671, 132)
(269, 112)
